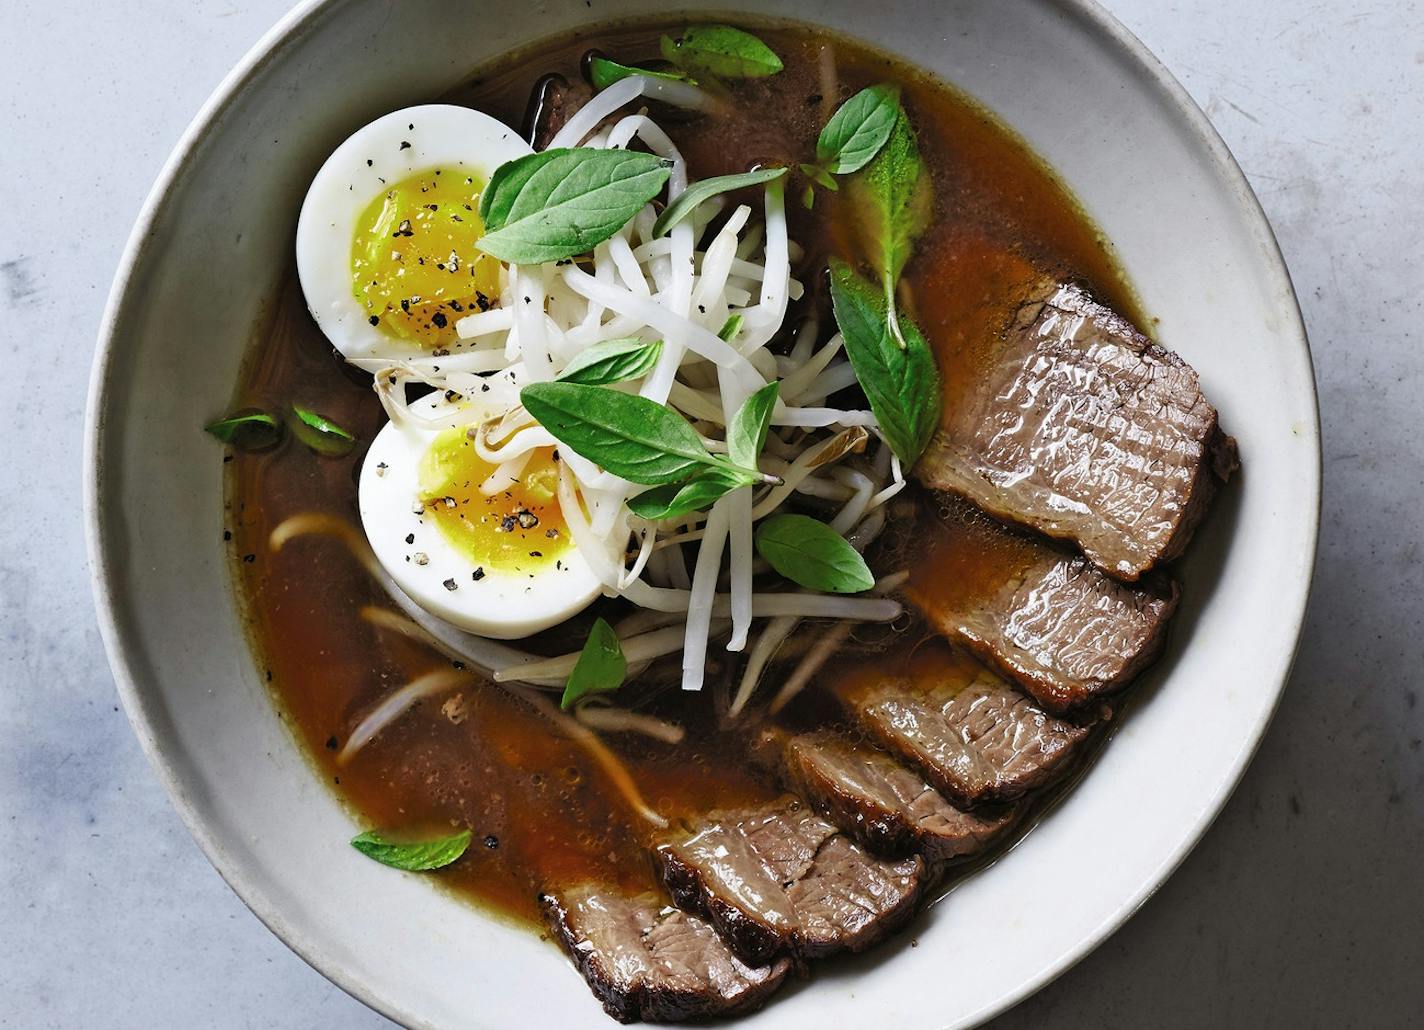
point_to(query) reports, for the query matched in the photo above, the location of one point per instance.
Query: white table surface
(1303, 906)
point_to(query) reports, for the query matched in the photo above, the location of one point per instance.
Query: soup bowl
(202, 267)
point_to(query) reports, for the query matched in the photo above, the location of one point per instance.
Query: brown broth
(541, 812)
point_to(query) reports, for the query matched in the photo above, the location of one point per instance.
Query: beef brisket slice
(974, 737)
(647, 961)
(779, 879)
(883, 803)
(1087, 431)
(1057, 626)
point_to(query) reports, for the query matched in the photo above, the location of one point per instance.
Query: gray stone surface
(1302, 907)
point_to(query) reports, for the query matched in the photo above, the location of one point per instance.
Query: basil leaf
(858, 129)
(600, 667)
(612, 361)
(902, 384)
(248, 429)
(559, 203)
(706, 189)
(820, 176)
(747, 432)
(891, 201)
(321, 434)
(731, 328)
(812, 554)
(603, 73)
(431, 854)
(677, 499)
(630, 436)
(721, 51)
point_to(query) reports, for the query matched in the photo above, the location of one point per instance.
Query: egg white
(382, 153)
(502, 604)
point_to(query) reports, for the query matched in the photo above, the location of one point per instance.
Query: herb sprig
(853, 136)
(720, 51)
(604, 72)
(706, 189)
(248, 429)
(321, 434)
(891, 200)
(635, 438)
(416, 857)
(564, 202)
(601, 667)
(812, 554)
(901, 381)
(612, 361)
(746, 435)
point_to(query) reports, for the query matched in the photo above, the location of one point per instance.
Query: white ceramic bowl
(202, 261)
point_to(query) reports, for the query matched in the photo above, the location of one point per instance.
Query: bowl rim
(142, 713)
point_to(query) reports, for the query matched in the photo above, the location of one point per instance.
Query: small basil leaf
(747, 432)
(560, 203)
(706, 189)
(677, 499)
(603, 73)
(321, 434)
(902, 384)
(248, 429)
(731, 328)
(812, 554)
(612, 361)
(721, 51)
(600, 668)
(891, 204)
(431, 854)
(858, 129)
(630, 436)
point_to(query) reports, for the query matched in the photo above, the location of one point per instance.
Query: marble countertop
(1301, 907)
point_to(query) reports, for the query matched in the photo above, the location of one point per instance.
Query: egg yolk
(414, 264)
(519, 529)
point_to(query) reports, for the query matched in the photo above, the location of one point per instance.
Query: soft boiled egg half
(500, 564)
(386, 241)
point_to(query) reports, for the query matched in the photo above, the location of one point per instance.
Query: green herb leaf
(612, 361)
(858, 129)
(431, 854)
(630, 436)
(706, 189)
(812, 554)
(603, 73)
(721, 51)
(560, 203)
(677, 499)
(600, 668)
(902, 383)
(731, 328)
(892, 200)
(248, 429)
(321, 434)
(747, 432)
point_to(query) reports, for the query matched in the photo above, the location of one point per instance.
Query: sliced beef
(1051, 622)
(645, 960)
(975, 738)
(552, 103)
(1063, 630)
(779, 879)
(1087, 431)
(883, 803)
